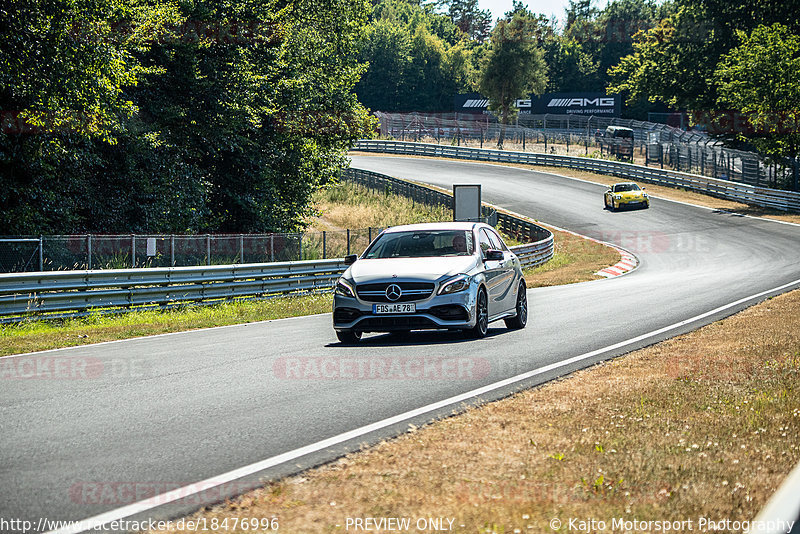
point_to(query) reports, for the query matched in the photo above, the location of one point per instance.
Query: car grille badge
(393, 292)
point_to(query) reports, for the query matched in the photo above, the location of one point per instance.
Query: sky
(546, 7)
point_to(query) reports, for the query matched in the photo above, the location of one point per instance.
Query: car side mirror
(351, 259)
(494, 255)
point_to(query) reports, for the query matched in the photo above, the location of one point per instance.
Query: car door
(506, 277)
(493, 272)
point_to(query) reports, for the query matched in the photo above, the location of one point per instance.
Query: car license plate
(394, 308)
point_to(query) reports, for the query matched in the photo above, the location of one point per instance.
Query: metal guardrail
(52, 294)
(57, 292)
(740, 192)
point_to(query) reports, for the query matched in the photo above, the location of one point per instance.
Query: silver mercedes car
(455, 276)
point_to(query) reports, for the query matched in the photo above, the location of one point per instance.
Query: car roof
(435, 226)
(625, 183)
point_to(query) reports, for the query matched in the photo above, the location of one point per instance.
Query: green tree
(760, 79)
(135, 115)
(469, 18)
(414, 62)
(64, 69)
(675, 61)
(514, 66)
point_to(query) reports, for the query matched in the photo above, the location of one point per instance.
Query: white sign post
(466, 202)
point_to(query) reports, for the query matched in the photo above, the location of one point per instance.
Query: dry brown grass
(346, 205)
(660, 191)
(702, 425)
(576, 259)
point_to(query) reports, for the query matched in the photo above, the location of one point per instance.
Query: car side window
(497, 242)
(484, 242)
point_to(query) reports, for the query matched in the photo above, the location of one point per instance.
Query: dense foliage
(205, 116)
(692, 58)
(141, 116)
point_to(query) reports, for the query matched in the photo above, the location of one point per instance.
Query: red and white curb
(626, 264)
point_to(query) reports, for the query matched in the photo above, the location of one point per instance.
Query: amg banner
(553, 103)
(477, 103)
(576, 104)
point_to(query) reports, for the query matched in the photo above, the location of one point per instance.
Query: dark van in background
(619, 141)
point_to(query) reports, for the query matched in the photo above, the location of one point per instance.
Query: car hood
(432, 269)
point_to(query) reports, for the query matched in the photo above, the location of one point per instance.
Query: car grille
(411, 291)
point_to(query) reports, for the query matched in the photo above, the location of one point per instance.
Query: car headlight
(617, 197)
(454, 285)
(344, 288)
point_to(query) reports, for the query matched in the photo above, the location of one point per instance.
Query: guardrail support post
(172, 251)
(133, 251)
(324, 243)
(241, 248)
(41, 253)
(208, 249)
(89, 251)
(271, 247)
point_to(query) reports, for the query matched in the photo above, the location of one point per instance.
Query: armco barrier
(68, 293)
(739, 192)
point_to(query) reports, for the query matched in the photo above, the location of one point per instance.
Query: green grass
(31, 336)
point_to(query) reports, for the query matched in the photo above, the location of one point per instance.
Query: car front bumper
(453, 311)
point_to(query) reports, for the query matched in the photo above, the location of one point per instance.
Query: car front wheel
(481, 316)
(521, 319)
(348, 337)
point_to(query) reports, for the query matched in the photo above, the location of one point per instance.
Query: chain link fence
(79, 252)
(653, 144)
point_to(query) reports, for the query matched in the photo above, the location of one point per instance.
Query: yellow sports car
(626, 194)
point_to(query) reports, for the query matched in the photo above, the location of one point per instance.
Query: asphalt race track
(147, 415)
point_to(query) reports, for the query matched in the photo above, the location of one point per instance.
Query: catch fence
(653, 144)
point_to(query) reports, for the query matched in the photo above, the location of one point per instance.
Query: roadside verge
(696, 432)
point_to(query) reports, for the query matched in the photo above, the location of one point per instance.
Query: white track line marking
(95, 522)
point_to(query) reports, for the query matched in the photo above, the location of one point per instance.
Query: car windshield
(422, 244)
(619, 188)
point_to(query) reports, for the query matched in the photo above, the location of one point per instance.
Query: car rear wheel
(348, 337)
(521, 319)
(481, 316)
